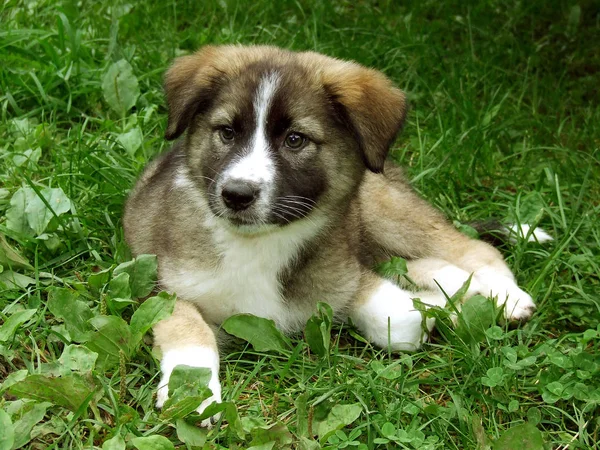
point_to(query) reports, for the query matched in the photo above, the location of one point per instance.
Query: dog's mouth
(243, 221)
(258, 220)
(244, 206)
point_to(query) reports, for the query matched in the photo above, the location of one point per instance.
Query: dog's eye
(227, 134)
(295, 141)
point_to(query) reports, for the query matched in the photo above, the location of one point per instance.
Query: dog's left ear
(374, 106)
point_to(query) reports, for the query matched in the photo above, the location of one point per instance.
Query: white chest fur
(245, 279)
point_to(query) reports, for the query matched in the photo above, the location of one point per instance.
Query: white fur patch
(196, 356)
(451, 278)
(246, 279)
(257, 165)
(389, 317)
(517, 303)
(489, 282)
(182, 179)
(520, 232)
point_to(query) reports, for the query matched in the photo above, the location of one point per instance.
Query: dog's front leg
(462, 258)
(400, 222)
(186, 339)
(385, 314)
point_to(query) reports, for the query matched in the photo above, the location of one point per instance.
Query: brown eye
(227, 134)
(295, 141)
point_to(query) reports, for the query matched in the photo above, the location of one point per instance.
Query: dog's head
(273, 135)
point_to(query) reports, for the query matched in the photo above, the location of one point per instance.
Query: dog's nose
(239, 194)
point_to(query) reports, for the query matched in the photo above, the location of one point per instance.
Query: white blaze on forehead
(258, 165)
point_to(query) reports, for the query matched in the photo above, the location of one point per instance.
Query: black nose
(239, 194)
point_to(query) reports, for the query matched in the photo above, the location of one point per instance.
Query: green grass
(504, 123)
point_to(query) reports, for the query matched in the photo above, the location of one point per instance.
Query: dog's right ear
(190, 85)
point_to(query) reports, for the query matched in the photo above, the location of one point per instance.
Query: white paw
(196, 356)
(450, 279)
(518, 304)
(389, 319)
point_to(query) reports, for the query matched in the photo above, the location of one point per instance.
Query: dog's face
(275, 135)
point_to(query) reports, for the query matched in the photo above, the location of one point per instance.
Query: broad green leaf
(143, 272)
(76, 358)
(69, 391)
(10, 258)
(318, 330)
(120, 87)
(37, 213)
(510, 354)
(23, 426)
(13, 378)
(96, 281)
(7, 431)
(389, 372)
(119, 286)
(187, 390)
(114, 443)
(261, 333)
(190, 434)
(587, 361)
(16, 218)
(276, 433)
(534, 416)
(190, 378)
(394, 268)
(495, 332)
(14, 280)
(152, 443)
(151, 312)
(131, 140)
(301, 404)
(112, 336)
(556, 388)
(230, 415)
(51, 240)
(30, 157)
(522, 437)
(267, 446)
(495, 376)
(339, 417)
(476, 316)
(555, 391)
(65, 305)
(13, 322)
(388, 430)
(308, 444)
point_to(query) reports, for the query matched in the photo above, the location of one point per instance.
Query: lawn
(504, 123)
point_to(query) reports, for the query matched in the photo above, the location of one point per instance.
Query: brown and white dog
(279, 196)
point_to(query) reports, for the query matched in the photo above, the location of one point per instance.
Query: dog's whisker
(297, 197)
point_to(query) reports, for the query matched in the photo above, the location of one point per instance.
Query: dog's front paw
(389, 319)
(196, 357)
(517, 304)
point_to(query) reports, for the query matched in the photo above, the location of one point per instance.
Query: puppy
(279, 196)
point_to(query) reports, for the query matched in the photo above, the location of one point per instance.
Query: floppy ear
(190, 84)
(373, 105)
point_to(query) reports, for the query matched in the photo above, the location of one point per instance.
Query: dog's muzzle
(239, 195)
